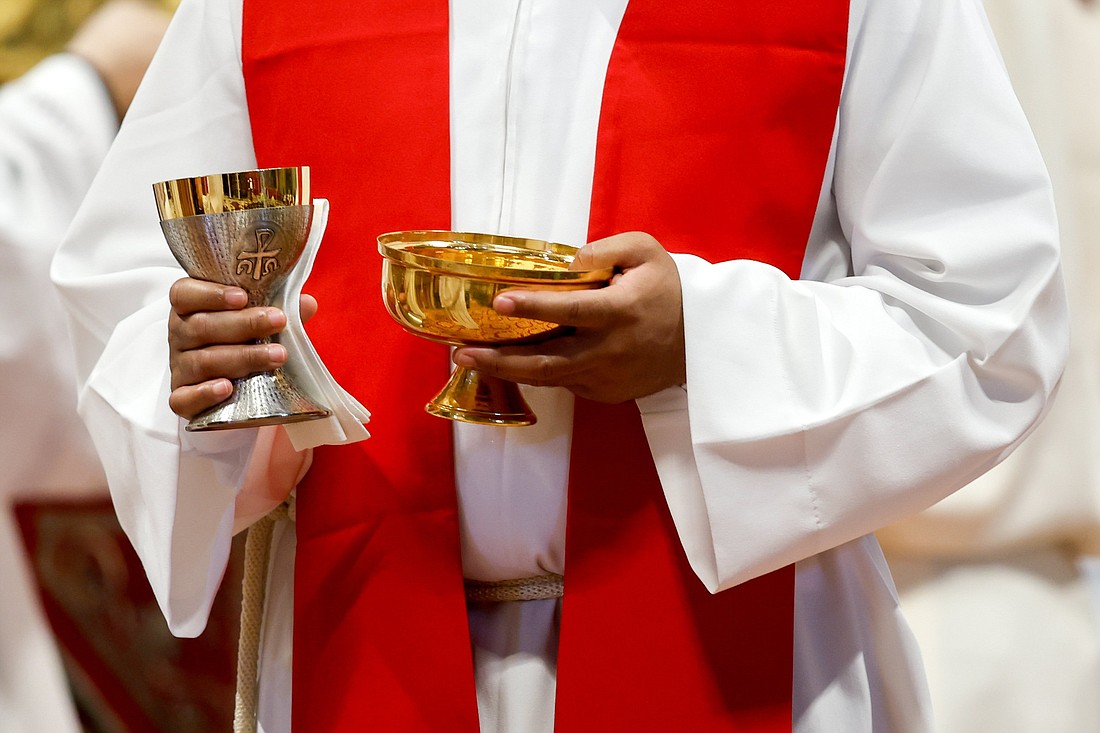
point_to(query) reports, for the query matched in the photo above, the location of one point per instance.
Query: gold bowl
(440, 285)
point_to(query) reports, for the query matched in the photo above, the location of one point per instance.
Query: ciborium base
(266, 398)
(472, 397)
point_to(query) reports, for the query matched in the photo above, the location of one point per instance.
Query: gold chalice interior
(239, 191)
(440, 285)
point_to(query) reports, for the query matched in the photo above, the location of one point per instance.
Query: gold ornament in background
(31, 30)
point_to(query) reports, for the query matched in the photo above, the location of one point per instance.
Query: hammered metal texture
(266, 398)
(254, 250)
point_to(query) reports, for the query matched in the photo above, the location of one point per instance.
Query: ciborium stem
(470, 396)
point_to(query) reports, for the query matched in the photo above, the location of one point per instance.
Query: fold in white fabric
(347, 422)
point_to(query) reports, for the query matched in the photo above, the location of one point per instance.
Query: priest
(839, 299)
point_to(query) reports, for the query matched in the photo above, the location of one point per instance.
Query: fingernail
(463, 359)
(504, 304)
(235, 298)
(276, 352)
(221, 388)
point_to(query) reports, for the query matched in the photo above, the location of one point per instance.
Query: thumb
(307, 306)
(621, 251)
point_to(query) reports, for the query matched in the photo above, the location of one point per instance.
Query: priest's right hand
(211, 337)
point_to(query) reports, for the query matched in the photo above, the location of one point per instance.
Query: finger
(621, 251)
(551, 364)
(190, 400)
(188, 296)
(307, 306)
(207, 328)
(578, 308)
(233, 362)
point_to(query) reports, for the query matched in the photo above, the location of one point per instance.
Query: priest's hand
(626, 341)
(210, 335)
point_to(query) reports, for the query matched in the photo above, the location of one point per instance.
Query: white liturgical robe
(56, 124)
(920, 345)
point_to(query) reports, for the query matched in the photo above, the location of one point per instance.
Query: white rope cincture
(257, 554)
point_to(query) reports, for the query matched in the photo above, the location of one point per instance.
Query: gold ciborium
(440, 285)
(246, 229)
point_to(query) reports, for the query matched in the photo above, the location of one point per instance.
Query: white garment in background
(56, 124)
(990, 577)
(919, 348)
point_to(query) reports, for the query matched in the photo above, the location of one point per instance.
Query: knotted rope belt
(257, 558)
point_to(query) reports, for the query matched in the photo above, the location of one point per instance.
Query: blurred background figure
(57, 121)
(994, 580)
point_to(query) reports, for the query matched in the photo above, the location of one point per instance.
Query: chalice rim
(217, 193)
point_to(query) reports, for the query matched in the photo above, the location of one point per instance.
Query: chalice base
(476, 398)
(265, 398)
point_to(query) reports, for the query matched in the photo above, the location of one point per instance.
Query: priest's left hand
(626, 341)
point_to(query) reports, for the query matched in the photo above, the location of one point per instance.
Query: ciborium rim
(396, 246)
(243, 190)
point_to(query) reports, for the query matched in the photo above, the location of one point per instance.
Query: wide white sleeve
(56, 123)
(921, 344)
(173, 491)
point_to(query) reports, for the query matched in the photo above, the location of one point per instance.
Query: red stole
(715, 128)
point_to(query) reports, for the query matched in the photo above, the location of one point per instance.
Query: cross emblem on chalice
(260, 261)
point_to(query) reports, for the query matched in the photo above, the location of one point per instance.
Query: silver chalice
(247, 229)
